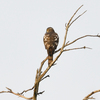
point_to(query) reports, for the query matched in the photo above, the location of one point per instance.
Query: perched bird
(51, 40)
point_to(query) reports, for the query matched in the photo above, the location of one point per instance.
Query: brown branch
(42, 63)
(77, 48)
(45, 77)
(88, 96)
(82, 37)
(17, 94)
(69, 43)
(40, 93)
(69, 24)
(39, 73)
(74, 15)
(36, 85)
(77, 18)
(27, 90)
(47, 69)
(33, 86)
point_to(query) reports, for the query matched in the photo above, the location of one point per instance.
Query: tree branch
(45, 77)
(77, 48)
(69, 43)
(88, 96)
(10, 91)
(82, 37)
(26, 90)
(52, 63)
(40, 93)
(77, 18)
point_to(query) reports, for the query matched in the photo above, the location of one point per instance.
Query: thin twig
(83, 37)
(42, 63)
(74, 15)
(84, 47)
(88, 96)
(77, 18)
(17, 94)
(40, 93)
(69, 43)
(27, 90)
(45, 77)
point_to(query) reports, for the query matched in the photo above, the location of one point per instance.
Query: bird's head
(50, 29)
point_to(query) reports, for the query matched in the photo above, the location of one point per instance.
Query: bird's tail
(50, 59)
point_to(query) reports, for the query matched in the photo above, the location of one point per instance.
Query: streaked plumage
(51, 40)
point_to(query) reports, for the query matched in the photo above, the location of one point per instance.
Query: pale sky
(22, 26)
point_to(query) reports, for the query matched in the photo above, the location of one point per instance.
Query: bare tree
(40, 76)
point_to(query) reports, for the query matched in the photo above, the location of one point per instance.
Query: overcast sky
(22, 26)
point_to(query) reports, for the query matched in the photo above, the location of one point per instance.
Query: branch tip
(40, 93)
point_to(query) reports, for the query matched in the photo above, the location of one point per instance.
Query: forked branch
(52, 63)
(61, 50)
(69, 43)
(17, 94)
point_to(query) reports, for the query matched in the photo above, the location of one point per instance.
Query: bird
(51, 40)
